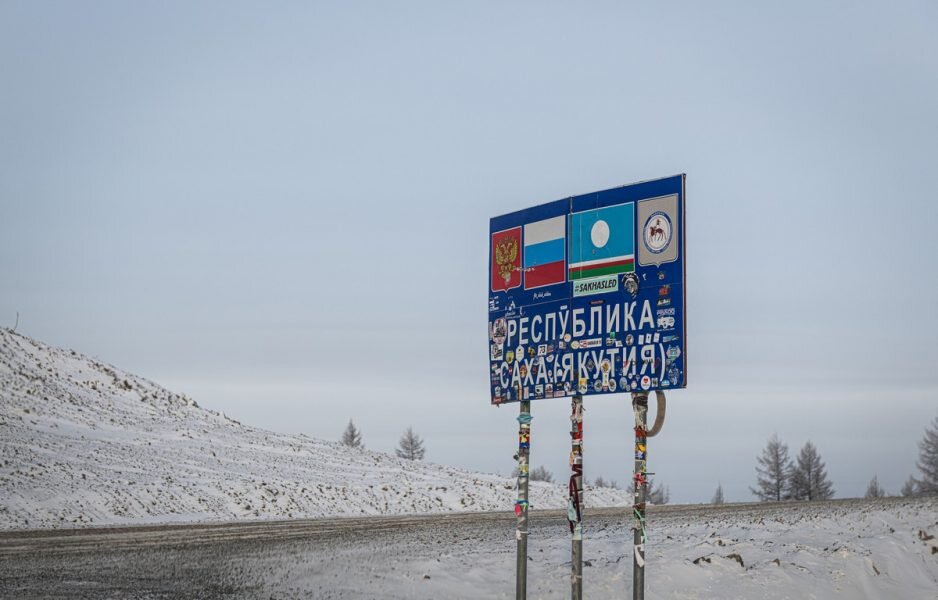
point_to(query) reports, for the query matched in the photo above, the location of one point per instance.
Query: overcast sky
(281, 209)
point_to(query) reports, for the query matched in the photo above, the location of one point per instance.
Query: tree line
(779, 478)
(778, 475)
(410, 446)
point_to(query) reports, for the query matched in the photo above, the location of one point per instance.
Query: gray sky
(282, 210)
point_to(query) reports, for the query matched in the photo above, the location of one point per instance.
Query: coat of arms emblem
(506, 259)
(506, 253)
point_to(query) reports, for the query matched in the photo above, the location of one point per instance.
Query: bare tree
(541, 474)
(809, 477)
(773, 472)
(928, 460)
(410, 446)
(718, 495)
(352, 436)
(658, 494)
(874, 490)
(910, 487)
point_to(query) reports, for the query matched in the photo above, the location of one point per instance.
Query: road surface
(388, 557)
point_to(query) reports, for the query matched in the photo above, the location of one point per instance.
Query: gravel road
(387, 557)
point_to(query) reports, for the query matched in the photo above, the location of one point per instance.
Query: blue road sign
(587, 294)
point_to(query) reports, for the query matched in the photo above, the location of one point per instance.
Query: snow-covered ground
(850, 549)
(84, 443)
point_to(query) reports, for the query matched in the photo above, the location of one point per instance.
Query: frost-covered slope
(82, 442)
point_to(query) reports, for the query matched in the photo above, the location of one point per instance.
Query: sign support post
(640, 479)
(575, 505)
(521, 505)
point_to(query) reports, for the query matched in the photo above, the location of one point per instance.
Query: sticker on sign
(595, 285)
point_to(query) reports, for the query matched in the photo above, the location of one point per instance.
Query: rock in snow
(84, 443)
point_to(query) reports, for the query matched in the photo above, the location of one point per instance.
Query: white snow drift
(84, 443)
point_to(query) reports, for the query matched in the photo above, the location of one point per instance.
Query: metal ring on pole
(659, 415)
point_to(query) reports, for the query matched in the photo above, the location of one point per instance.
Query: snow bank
(84, 443)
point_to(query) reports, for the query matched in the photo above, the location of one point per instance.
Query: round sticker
(646, 382)
(630, 282)
(656, 234)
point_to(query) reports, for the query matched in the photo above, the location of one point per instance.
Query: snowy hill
(83, 443)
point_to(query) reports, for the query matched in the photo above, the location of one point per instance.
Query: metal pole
(521, 505)
(640, 479)
(575, 504)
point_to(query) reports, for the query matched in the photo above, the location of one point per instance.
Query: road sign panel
(587, 294)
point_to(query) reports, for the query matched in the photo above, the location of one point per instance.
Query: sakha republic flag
(602, 241)
(506, 259)
(545, 252)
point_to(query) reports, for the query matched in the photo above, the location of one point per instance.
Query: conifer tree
(910, 487)
(352, 437)
(410, 446)
(928, 460)
(809, 477)
(874, 490)
(718, 495)
(773, 472)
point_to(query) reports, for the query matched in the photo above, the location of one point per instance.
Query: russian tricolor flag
(545, 252)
